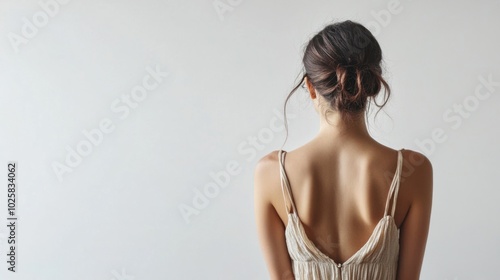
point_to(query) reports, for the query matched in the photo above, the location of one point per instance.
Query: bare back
(340, 195)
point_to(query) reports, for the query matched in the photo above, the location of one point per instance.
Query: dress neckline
(295, 218)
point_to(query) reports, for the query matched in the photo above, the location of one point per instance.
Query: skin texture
(340, 181)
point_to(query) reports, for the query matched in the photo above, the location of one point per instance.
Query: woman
(342, 206)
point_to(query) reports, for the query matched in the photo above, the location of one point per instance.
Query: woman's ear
(310, 88)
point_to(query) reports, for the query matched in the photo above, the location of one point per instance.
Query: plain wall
(115, 212)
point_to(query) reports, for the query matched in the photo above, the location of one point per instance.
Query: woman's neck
(336, 128)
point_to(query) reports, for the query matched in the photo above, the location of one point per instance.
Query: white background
(116, 214)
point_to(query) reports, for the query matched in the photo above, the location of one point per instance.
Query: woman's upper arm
(270, 228)
(415, 227)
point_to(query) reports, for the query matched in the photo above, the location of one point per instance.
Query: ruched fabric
(376, 259)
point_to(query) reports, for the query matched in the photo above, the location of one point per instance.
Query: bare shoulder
(266, 175)
(417, 173)
(267, 164)
(271, 157)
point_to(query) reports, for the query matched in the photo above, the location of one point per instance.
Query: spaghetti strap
(377, 258)
(285, 188)
(393, 191)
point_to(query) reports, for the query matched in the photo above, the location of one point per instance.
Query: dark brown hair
(343, 64)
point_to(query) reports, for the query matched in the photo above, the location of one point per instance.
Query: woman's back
(334, 207)
(340, 195)
(344, 228)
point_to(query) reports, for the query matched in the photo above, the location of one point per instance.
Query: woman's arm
(270, 228)
(415, 227)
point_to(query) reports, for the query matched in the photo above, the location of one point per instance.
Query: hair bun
(354, 84)
(342, 62)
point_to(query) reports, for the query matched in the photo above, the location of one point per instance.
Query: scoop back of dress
(376, 259)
